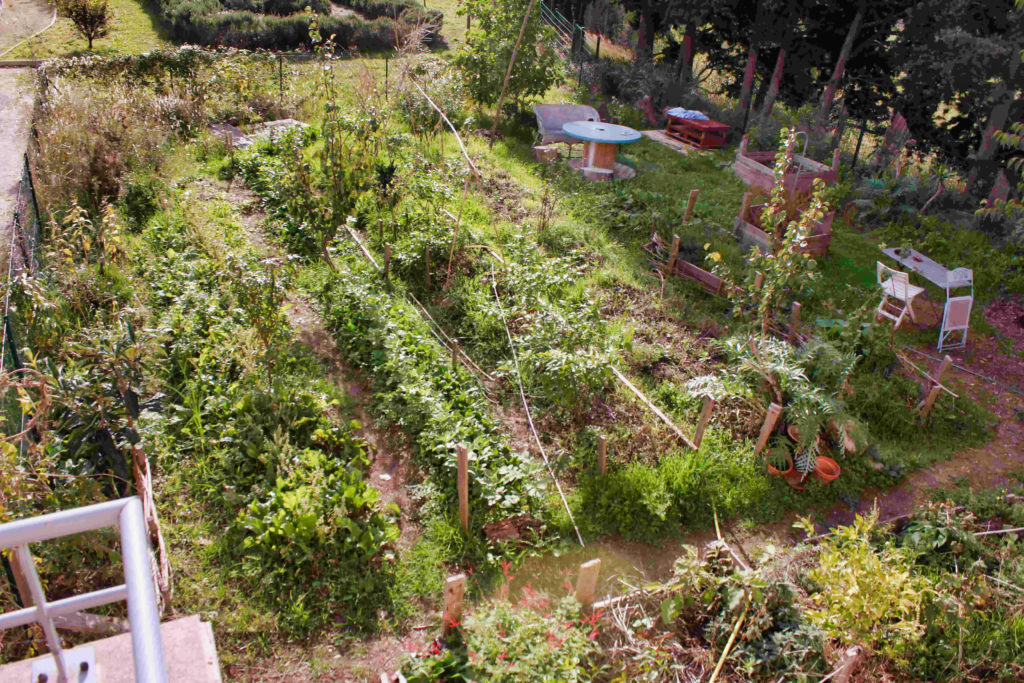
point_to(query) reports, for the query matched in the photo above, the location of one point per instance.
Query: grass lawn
(135, 28)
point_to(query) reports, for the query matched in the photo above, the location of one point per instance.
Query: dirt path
(16, 98)
(390, 453)
(20, 19)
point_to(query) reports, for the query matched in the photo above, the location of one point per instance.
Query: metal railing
(137, 590)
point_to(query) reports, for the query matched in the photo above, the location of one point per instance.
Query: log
(664, 418)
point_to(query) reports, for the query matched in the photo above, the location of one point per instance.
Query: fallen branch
(664, 418)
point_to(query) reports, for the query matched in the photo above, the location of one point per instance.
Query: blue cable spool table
(601, 142)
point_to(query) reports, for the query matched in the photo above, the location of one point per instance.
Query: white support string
(526, 407)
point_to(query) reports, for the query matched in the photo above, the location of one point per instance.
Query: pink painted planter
(755, 169)
(749, 232)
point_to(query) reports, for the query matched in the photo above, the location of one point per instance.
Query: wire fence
(22, 257)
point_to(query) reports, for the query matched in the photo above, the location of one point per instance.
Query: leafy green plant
(260, 289)
(535, 639)
(869, 595)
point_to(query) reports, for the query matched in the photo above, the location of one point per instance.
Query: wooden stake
(508, 72)
(758, 280)
(454, 591)
(463, 486)
(586, 582)
(387, 261)
(455, 354)
(602, 454)
(933, 393)
(774, 411)
(426, 265)
(705, 417)
(673, 254)
(794, 325)
(690, 203)
(745, 207)
(654, 408)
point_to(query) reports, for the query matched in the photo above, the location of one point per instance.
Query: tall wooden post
(774, 412)
(758, 280)
(387, 261)
(426, 265)
(602, 454)
(454, 591)
(463, 486)
(705, 417)
(586, 582)
(794, 325)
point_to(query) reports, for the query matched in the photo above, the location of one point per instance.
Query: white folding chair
(959, 277)
(897, 293)
(955, 318)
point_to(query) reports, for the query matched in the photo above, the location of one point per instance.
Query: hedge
(275, 24)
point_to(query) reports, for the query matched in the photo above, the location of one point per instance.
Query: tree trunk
(685, 70)
(837, 73)
(645, 35)
(776, 82)
(748, 78)
(90, 43)
(996, 121)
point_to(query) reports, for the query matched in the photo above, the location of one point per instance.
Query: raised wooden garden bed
(683, 268)
(755, 169)
(748, 231)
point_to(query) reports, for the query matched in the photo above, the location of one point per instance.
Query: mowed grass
(135, 28)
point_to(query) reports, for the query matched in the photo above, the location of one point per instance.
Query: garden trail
(389, 467)
(16, 99)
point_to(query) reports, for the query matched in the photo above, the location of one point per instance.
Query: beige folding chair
(955, 318)
(897, 293)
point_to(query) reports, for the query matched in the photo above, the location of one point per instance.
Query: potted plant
(779, 459)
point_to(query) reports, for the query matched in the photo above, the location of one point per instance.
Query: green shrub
(536, 639)
(317, 532)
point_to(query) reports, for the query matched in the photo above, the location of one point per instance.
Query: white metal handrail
(137, 590)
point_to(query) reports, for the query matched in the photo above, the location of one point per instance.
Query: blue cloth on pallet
(691, 114)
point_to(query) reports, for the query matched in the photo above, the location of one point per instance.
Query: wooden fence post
(774, 411)
(794, 325)
(673, 254)
(463, 486)
(454, 591)
(602, 454)
(936, 388)
(387, 262)
(705, 417)
(455, 353)
(745, 207)
(758, 280)
(690, 203)
(586, 582)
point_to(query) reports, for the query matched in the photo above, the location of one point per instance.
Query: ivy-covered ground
(301, 409)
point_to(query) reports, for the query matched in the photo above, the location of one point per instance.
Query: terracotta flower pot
(783, 472)
(826, 469)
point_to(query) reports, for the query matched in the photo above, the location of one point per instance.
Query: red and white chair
(897, 293)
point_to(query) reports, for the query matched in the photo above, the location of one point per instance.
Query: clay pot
(790, 474)
(826, 469)
(783, 472)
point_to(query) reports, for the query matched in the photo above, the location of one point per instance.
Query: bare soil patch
(16, 100)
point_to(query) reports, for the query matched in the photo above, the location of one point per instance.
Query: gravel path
(16, 90)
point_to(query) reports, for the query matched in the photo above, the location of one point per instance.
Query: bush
(278, 25)
(532, 640)
(444, 86)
